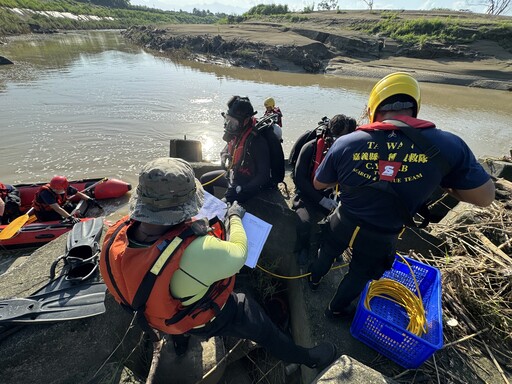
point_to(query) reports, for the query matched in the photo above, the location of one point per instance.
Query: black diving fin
(82, 251)
(73, 302)
(76, 293)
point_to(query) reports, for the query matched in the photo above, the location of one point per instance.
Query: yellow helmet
(269, 102)
(398, 83)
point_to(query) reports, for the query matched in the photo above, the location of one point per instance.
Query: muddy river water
(89, 104)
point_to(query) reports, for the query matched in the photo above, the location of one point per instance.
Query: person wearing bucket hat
(168, 193)
(387, 170)
(177, 274)
(246, 157)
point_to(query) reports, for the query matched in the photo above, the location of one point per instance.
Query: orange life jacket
(139, 279)
(40, 206)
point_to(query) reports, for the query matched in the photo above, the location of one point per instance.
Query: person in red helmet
(50, 201)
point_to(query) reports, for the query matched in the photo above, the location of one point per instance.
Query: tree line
(493, 7)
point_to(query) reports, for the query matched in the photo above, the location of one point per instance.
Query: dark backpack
(319, 132)
(264, 128)
(304, 138)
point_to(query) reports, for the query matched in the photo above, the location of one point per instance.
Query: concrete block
(348, 370)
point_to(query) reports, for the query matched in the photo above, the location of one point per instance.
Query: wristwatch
(238, 189)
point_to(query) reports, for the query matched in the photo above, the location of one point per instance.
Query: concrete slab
(349, 370)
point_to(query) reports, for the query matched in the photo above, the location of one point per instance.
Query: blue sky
(240, 6)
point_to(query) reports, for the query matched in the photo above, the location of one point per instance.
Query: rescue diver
(310, 204)
(271, 109)
(245, 158)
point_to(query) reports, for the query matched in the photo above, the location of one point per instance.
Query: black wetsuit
(306, 202)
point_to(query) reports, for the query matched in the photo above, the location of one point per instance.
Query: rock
(69, 351)
(462, 213)
(5, 61)
(201, 360)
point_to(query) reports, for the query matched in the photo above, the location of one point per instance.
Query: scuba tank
(323, 143)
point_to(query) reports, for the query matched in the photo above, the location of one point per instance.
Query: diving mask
(231, 124)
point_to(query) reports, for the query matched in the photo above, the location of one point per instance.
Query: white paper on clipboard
(256, 229)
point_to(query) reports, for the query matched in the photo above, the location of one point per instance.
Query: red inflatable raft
(36, 233)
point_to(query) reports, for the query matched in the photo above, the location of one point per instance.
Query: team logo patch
(388, 170)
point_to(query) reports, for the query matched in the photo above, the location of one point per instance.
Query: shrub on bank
(445, 30)
(268, 9)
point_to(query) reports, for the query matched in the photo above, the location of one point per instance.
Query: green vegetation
(272, 12)
(309, 8)
(110, 17)
(272, 9)
(444, 30)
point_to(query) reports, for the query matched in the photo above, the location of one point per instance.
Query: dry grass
(477, 295)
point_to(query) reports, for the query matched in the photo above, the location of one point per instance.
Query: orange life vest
(40, 206)
(139, 278)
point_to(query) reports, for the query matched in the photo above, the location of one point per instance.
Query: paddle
(14, 226)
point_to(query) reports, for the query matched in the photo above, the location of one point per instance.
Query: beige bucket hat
(168, 193)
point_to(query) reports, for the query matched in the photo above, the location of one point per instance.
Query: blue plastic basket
(384, 328)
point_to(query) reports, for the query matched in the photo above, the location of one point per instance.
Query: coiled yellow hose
(398, 293)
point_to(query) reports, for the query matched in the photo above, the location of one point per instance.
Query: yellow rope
(387, 289)
(398, 293)
(213, 180)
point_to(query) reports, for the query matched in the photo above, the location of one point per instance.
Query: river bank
(326, 42)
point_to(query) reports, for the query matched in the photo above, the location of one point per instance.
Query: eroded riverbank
(318, 47)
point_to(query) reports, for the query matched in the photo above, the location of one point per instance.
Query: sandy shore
(490, 73)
